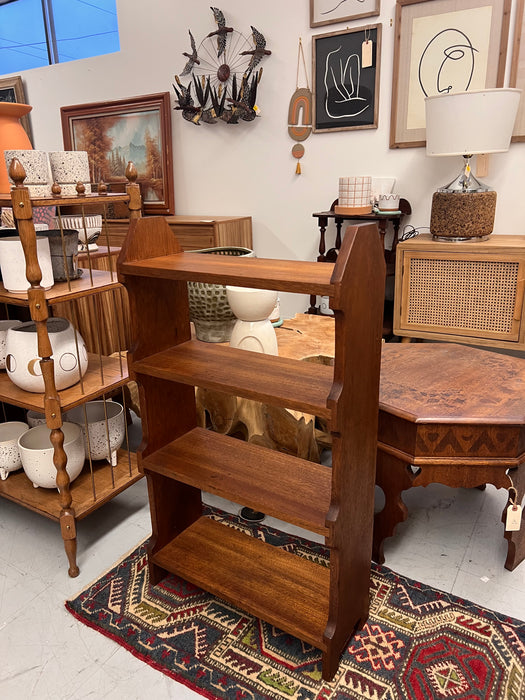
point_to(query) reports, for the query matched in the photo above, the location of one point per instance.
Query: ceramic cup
(36, 166)
(97, 432)
(388, 202)
(36, 452)
(253, 329)
(68, 168)
(10, 459)
(23, 362)
(4, 327)
(355, 194)
(13, 263)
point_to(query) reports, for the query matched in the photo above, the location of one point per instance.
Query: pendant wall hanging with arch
(220, 78)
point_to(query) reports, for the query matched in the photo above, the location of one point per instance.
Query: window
(36, 33)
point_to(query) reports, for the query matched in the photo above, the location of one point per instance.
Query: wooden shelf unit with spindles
(101, 482)
(320, 605)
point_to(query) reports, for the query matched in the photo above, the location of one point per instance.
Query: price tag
(366, 54)
(513, 521)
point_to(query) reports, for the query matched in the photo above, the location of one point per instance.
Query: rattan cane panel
(462, 294)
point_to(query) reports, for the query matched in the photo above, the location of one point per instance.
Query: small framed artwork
(137, 129)
(443, 46)
(12, 90)
(517, 71)
(346, 79)
(333, 11)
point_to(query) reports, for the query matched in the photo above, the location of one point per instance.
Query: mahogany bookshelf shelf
(321, 605)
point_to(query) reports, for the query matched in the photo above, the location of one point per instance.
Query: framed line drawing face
(443, 46)
(346, 68)
(324, 12)
(138, 130)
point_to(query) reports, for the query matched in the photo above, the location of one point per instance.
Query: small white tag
(513, 521)
(366, 54)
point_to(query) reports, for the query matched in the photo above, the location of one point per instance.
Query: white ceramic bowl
(34, 418)
(4, 326)
(96, 430)
(92, 229)
(23, 362)
(10, 459)
(37, 452)
(251, 304)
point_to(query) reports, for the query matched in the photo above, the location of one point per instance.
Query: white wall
(248, 169)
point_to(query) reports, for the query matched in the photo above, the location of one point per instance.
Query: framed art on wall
(346, 67)
(333, 11)
(12, 90)
(517, 71)
(137, 129)
(443, 46)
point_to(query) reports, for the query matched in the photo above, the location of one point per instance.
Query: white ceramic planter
(36, 451)
(68, 168)
(23, 362)
(13, 264)
(98, 431)
(10, 459)
(253, 329)
(89, 228)
(36, 166)
(4, 327)
(34, 418)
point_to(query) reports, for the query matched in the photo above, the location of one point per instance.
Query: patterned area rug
(419, 643)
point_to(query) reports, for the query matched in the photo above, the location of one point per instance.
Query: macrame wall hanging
(224, 74)
(300, 111)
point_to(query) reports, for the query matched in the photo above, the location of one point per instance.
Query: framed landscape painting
(443, 46)
(333, 11)
(517, 72)
(113, 133)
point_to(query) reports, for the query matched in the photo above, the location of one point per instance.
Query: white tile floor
(453, 540)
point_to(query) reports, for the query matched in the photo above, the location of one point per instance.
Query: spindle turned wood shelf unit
(99, 482)
(320, 605)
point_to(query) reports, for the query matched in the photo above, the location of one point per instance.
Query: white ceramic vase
(23, 362)
(13, 264)
(68, 168)
(36, 451)
(4, 327)
(10, 459)
(253, 329)
(97, 432)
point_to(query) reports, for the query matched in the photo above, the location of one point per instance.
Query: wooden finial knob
(131, 172)
(102, 188)
(56, 189)
(17, 172)
(80, 188)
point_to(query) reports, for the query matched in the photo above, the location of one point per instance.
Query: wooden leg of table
(516, 539)
(393, 476)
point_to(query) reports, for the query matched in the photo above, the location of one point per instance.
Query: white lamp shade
(465, 123)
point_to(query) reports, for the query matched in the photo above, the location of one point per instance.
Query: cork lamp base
(462, 215)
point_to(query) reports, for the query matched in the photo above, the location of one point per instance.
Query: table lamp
(467, 123)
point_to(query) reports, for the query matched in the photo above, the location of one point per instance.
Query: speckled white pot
(68, 168)
(36, 166)
(36, 451)
(4, 326)
(96, 428)
(23, 362)
(10, 459)
(13, 264)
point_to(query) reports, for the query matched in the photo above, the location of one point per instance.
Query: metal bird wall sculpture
(222, 74)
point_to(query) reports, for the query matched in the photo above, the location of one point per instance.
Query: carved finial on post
(131, 172)
(17, 172)
(80, 188)
(102, 188)
(56, 189)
